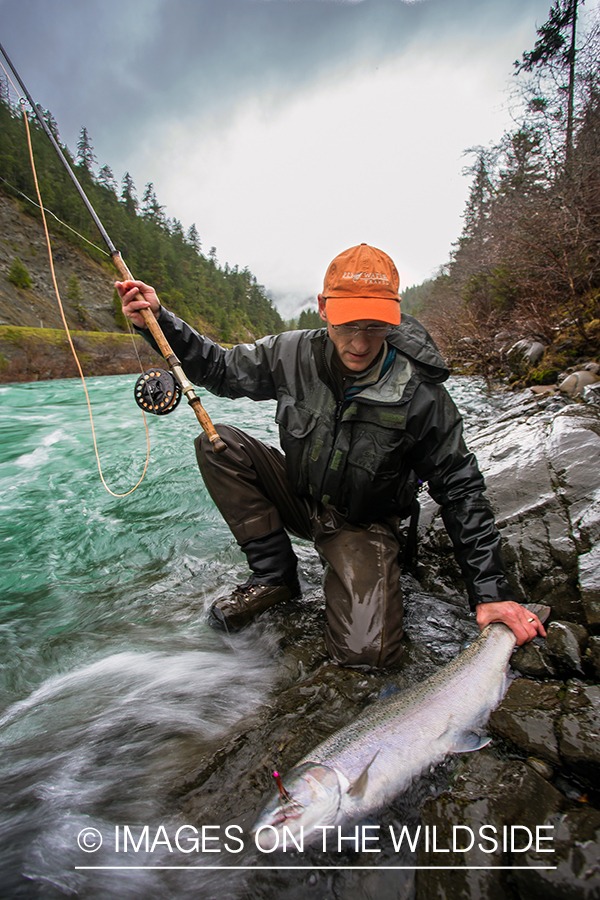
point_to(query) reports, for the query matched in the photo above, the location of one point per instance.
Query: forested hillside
(226, 302)
(528, 261)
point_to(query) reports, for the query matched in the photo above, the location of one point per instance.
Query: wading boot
(246, 602)
(273, 580)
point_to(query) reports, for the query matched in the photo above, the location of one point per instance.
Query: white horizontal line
(358, 868)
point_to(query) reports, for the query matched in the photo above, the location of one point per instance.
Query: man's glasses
(375, 331)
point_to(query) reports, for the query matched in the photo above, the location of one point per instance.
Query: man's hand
(136, 295)
(521, 621)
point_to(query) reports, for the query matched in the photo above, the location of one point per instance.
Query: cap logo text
(366, 277)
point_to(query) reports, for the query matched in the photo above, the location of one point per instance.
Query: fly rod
(153, 384)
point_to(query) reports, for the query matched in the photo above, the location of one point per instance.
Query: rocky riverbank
(541, 457)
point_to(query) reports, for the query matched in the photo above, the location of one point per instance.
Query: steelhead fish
(361, 767)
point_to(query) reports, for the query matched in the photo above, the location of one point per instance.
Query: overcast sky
(287, 130)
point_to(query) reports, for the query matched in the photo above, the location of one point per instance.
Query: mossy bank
(37, 354)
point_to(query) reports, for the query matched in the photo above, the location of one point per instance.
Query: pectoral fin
(358, 788)
(469, 741)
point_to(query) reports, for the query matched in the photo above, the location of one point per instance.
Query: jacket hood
(412, 339)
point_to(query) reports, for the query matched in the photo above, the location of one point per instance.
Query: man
(363, 420)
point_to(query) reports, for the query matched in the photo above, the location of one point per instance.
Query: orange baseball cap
(362, 283)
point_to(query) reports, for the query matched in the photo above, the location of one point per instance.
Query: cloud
(286, 129)
(137, 62)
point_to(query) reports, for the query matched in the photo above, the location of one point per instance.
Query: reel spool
(157, 392)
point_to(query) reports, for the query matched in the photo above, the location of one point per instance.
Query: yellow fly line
(68, 333)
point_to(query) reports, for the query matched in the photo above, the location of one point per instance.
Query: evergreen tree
(4, 92)
(18, 274)
(481, 193)
(523, 170)
(176, 228)
(128, 194)
(107, 179)
(151, 208)
(310, 318)
(223, 304)
(51, 123)
(193, 238)
(556, 46)
(85, 152)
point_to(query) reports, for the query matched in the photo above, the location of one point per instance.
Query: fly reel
(157, 392)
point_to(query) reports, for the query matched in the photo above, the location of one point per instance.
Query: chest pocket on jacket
(295, 419)
(302, 443)
(378, 443)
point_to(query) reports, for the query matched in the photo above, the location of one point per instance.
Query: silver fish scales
(361, 767)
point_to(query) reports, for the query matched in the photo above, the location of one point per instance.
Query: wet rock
(541, 767)
(589, 584)
(591, 394)
(503, 340)
(542, 473)
(566, 642)
(541, 389)
(592, 657)
(527, 718)
(570, 786)
(574, 384)
(564, 600)
(534, 660)
(576, 875)
(574, 454)
(493, 793)
(579, 730)
(523, 355)
(563, 730)
(443, 624)
(230, 786)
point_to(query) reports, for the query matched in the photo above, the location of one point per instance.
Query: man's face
(355, 353)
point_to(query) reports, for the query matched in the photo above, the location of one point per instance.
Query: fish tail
(538, 609)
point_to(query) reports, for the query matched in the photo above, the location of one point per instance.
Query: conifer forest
(527, 264)
(226, 300)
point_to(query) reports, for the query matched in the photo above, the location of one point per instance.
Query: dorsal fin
(360, 785)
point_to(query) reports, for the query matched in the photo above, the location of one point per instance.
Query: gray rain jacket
(367, 455)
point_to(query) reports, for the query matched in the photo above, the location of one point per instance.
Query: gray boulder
(591, 394)
(527, 718)
(579, 730)
(523, 355)
(575, 383)
(541, 464)
(566, 642)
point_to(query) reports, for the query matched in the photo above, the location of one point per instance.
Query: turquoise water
(107, 666)
(76, 561)
(111, 683)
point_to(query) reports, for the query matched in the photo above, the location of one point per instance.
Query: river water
(111, 683)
